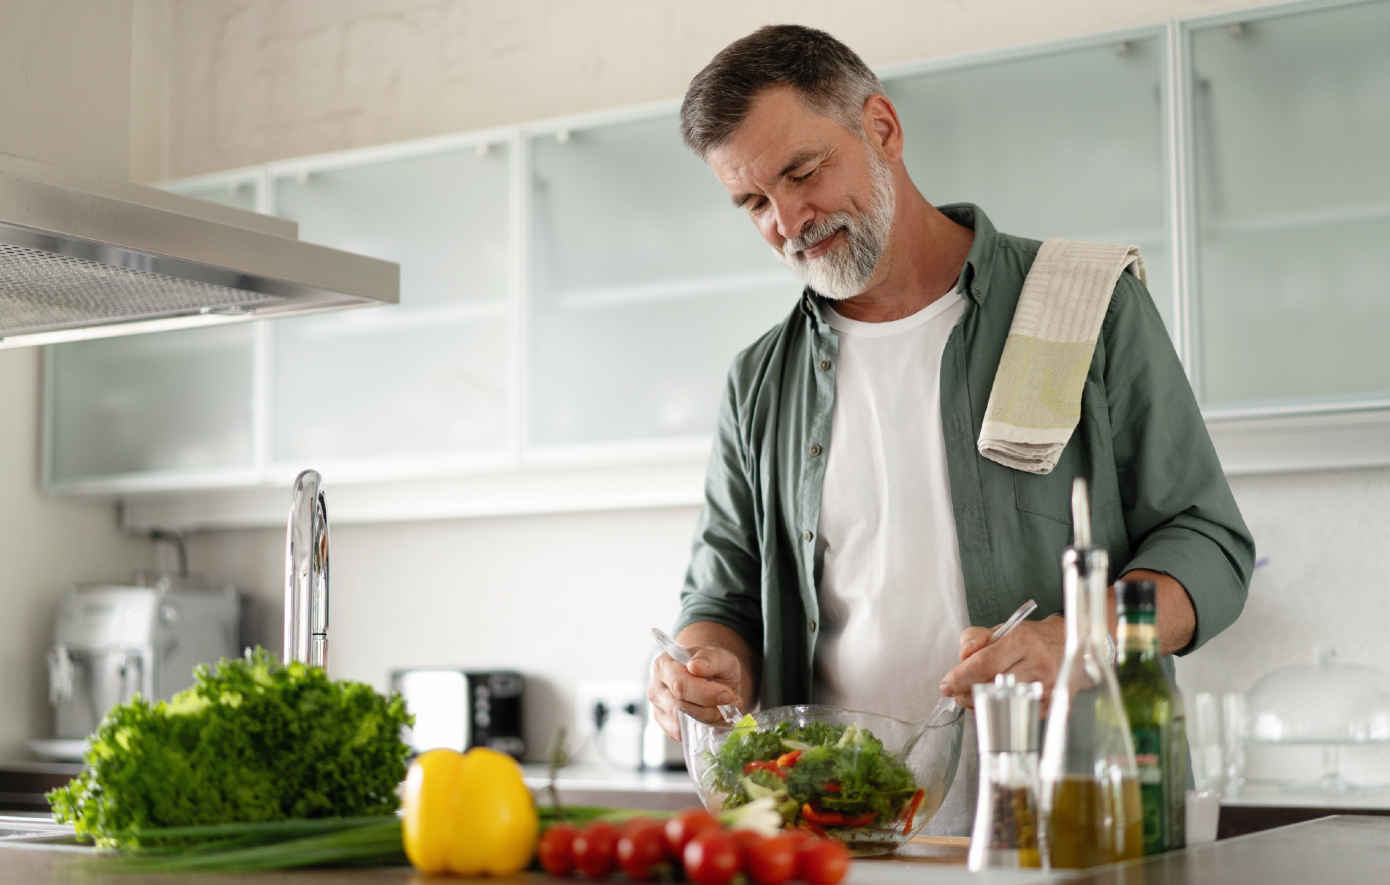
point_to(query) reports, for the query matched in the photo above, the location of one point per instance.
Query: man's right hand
(717, 674)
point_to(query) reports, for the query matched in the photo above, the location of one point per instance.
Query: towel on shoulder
(1035, 402)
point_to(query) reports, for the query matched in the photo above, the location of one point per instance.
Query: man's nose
(793, 218)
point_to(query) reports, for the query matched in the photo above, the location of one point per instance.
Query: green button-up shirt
(1159, 499)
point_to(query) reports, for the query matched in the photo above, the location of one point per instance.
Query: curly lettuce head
(252, 740)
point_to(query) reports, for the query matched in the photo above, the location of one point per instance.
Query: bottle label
(1148, 754)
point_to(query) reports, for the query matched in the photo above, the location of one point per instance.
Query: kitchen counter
(1261, 806)
(598, 784)
(1345, 849)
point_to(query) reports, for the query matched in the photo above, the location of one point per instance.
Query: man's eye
(800, 178)
(757, 205)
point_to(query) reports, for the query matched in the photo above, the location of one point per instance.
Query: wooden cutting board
(951, 850)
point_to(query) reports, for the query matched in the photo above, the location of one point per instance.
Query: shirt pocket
(1089, 453)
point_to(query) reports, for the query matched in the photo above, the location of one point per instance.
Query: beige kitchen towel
(1036, 399)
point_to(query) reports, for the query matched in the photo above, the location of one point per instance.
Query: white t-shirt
(892, 595)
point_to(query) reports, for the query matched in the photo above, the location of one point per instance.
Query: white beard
(845, 272)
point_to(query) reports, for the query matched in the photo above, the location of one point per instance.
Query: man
(855, 547)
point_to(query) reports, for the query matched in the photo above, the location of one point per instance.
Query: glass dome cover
(1319, 703)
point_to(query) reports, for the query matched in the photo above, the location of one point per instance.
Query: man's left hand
(1032, 653)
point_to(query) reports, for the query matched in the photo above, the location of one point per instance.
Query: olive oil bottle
(1090, 797)
(1156, 718)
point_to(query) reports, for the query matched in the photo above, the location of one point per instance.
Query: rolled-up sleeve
(1179, 511)
(723, 582)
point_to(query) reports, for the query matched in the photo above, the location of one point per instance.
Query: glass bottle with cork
(1156, 718)
(1090, 791)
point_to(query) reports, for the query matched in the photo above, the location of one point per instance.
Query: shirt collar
(974, 277)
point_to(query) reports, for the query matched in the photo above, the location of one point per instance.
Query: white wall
(64, 99)
(557, 597)
(256, 81)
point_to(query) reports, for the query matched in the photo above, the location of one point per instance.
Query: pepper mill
(1006, 816)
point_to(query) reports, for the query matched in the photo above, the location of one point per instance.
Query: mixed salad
(821, 776)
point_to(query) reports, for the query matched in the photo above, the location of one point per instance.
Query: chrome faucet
(306, 573)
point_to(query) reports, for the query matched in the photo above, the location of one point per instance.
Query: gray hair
(827, 75)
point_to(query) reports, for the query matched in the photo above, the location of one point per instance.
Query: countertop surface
(1276, 795)
(597, 776)
(1343, 849)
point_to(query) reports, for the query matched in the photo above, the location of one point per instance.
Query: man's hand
(719, 673)
(1032, 653)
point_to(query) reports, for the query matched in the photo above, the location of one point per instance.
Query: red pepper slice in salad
(822, 818)
(831, 787)
(787, 760)
(835, 818)
(912, 811)
(765, 766)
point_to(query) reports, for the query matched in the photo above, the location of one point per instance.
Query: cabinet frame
(1341, 433)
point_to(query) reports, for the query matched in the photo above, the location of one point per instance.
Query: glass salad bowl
(868, 781)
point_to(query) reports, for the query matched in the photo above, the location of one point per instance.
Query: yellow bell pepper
(468, 813)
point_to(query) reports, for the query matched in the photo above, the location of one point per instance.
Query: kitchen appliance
(113, 640)
(85, 257)
(460, 710)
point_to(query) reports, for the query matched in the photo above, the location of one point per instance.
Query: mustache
(794, 246)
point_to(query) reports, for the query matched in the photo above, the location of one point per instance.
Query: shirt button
(806, 536)
(815, 450)
(824, 364)
(812, 625)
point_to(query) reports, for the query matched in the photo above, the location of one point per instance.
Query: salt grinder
(1006, 816)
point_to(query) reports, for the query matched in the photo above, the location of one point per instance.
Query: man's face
(821, 196)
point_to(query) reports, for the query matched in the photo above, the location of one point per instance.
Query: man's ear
(881, 125)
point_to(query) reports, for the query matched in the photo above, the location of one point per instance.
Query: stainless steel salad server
(949, 703)
(681, 655)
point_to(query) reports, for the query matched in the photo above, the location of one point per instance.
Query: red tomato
(821, 862)
(744, 840)
(804, 842)
(594, 849)
(556, 850)
(711, 858)
(681, 829)
(633, 824)
(771, 861)
(798, 837)
(640, 849)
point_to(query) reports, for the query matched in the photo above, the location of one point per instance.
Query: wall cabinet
(572, 291)
(1291, 146)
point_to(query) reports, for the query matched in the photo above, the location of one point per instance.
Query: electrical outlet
(608, 720)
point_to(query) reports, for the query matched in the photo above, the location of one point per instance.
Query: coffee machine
(113, 640)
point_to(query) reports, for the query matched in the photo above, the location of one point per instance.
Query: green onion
(272, 846)
(288, 844)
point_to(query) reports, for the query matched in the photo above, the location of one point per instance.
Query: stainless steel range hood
(86, 257)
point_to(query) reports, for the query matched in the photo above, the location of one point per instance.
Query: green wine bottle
(1156, 718)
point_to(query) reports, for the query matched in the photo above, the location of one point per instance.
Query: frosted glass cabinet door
(169, 401)
(429, 374)
(646, 282)
(1292, 146)
(1067, 144)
